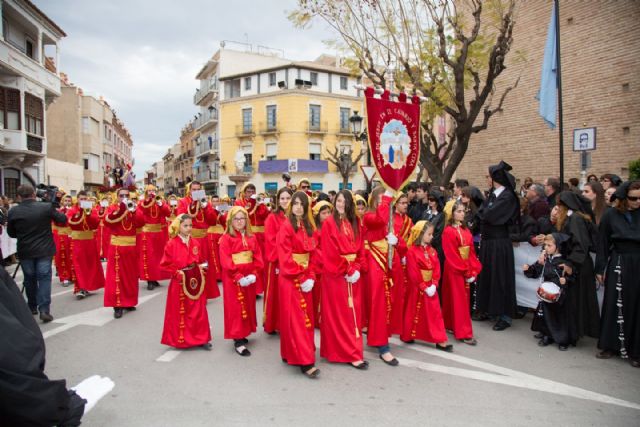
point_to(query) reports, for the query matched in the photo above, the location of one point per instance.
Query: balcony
(293, 165)
(245, 131)
(205, 120)
(207, 147)
(207, 175)
(317, 127)
(201, 97)
(269, 128)
(344, 131)
(14, 59)
(20, 149)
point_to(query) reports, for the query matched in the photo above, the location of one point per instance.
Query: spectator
(594, 192)
(538, 205)
(422, 195)
(551, 190)
(527, 183)
(574, 184)
(607, 196)
(592, 177)
(30, 223)
(458, 185)
(610, 180)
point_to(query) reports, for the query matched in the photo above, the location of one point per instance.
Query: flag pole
(559, 84)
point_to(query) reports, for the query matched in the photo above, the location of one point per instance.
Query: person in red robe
(199, 209)
(186, 321)
(342, 257)
(121, 284)
(270, 308)
(321, 211)
(296, 247)
(379, 277)
(103, 236)
(402, 229)
(461, 267)
(258, 213)
(61, 238)
(85, 254)
(422, 317)
(152, 238)
(214, 232)
(241, 262)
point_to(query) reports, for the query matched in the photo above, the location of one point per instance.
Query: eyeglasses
(239, 219)
(122, 196)
(304, 187)
(633, 199)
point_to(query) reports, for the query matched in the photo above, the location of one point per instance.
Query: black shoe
(310, 371)
(520, 314)
(392, 362)
(117, 313)
(634, 362)
(408, 341)
(130, 308)
(207, 346)
(82, 294)
(150, 286)
(539, 335)
(501, 325)
(363, 366)
(545, 341)
(563, 347)
(34, 310)
(46, 317)
(480, 317)
(448, 348)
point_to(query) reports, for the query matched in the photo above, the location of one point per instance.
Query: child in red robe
(321, 211)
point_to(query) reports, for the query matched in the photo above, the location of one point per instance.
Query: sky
(142, 56)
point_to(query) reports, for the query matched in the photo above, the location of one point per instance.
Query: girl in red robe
(241, 262)
(461, 267)
(321, 211)
(270, 308)
(342, 257)
(186, 321)
(214, 231)
(402, 229)
(422, 317)
(296, 252)
(62, 240)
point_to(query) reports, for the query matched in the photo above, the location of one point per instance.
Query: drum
(549, 292)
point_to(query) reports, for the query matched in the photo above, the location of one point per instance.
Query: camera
(286, 177)
(48, 193)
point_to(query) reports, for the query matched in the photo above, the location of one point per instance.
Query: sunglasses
(431, 199)
(633, 199)
(304, 187)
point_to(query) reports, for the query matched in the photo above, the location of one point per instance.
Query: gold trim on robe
(199, 233)
(427, 275)
(302, 259)
(123, 240)
(464, 252)
(152, 228)
(82, 235)
(244, 257)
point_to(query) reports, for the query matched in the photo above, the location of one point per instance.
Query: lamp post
(359, 134)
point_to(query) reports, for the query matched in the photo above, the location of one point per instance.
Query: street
(506, 380)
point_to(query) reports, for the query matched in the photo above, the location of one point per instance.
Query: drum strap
(618, 271)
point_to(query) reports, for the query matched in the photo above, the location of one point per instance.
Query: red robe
(379, 279)
(455, 299)
(297, 344)
(62, 259)
(342, 253)
(239, 302)
(214, 231)
(121, 284)
(317, 287)
(258, 214)
(186, 321)
(85, 256)
(151, 240)
(423, 318)
(270, 309)
(103, 237)
(402, 229)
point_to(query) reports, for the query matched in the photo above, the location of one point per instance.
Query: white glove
(204, 265)
(404, 260)
(203, 204)
(307, 285)
(430, 291)
(392, 239)
(277, 270)
(471, 279)
(132, 208)
(159, 202)
(388, 193)
(252, 278)
(245, 281)
(254, 197)
(354, 277)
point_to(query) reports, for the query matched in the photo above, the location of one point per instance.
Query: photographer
(30, 223)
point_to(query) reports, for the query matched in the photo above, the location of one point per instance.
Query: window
(343, 83)
(246, 120)
(314, 79)
(314, 117)
(85, 125)
(272, 79)
(248, 161)
(344, 120)
(34, 114)
(247, 83)
(28, 48)
(10, 108)
(232, 89)
(271, 117)
(315, 150)
(86, 163)
(271, 151)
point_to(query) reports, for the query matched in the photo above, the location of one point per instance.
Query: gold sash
(215, 229)
(302, 259)
(464, 252)
(244, 257)
(63, 231)
(152, 228)
(199, 233)
(349, 257)
(257, 228)
(123, 240)
(426, 275)
(82, 235)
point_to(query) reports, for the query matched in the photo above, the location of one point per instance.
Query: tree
(449, 51)
(344, 162)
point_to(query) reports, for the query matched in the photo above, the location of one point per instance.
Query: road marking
(61, 293)
(93, 389)
(96, 317)
(168, 356)
(503, 376)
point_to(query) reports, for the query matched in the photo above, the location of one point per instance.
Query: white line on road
(168, 356)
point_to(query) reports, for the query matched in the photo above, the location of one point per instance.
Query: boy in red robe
(152, 238)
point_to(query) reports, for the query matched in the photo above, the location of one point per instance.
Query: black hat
(616, 181)
(562, 242)
(500, 174)
(621, 191)
(575, 202)
(439, 196)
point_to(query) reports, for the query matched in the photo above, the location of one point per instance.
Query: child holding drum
(553, 320)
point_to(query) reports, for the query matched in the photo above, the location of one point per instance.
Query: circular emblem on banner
(193, 283)
(195, 250)
(395, 144)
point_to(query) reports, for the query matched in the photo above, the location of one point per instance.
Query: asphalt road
(506, 380)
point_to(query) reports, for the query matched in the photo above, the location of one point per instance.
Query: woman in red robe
(152, 238)
(342, 257)
(423, 318)
(296, 247)
(379, 277)
(84, 251)
(270, 308)
(461, 267)
(241, 262)
(321, 211)
(402, 229)
(104, 236)
(214, 232)
(186, 321)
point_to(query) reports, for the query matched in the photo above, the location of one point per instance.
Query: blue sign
(349, 186)
(316, 186)
(231, 191)
(271, 187)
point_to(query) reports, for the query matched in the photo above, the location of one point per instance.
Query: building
(262, 116)
(169, 159)
(29, 56)
(85, 131)
(600, 89)
(183, 163)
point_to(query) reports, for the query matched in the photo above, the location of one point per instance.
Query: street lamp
(360, 134)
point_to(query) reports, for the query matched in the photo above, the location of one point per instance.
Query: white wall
(66, 175)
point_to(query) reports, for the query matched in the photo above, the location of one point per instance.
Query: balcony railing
(201, 93)
(317, 127)
(269, 128)
(204, 148)
(206, 118)
(344, 131)
(245, 131)
(207, 175)
(34, 144)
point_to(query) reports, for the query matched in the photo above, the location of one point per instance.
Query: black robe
(524, 231)
(497, 281)
(554, 320)
(620, 245)
(27, 396)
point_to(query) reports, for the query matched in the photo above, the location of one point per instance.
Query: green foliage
(634, 169)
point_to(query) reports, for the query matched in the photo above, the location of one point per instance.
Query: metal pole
(559, 84)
